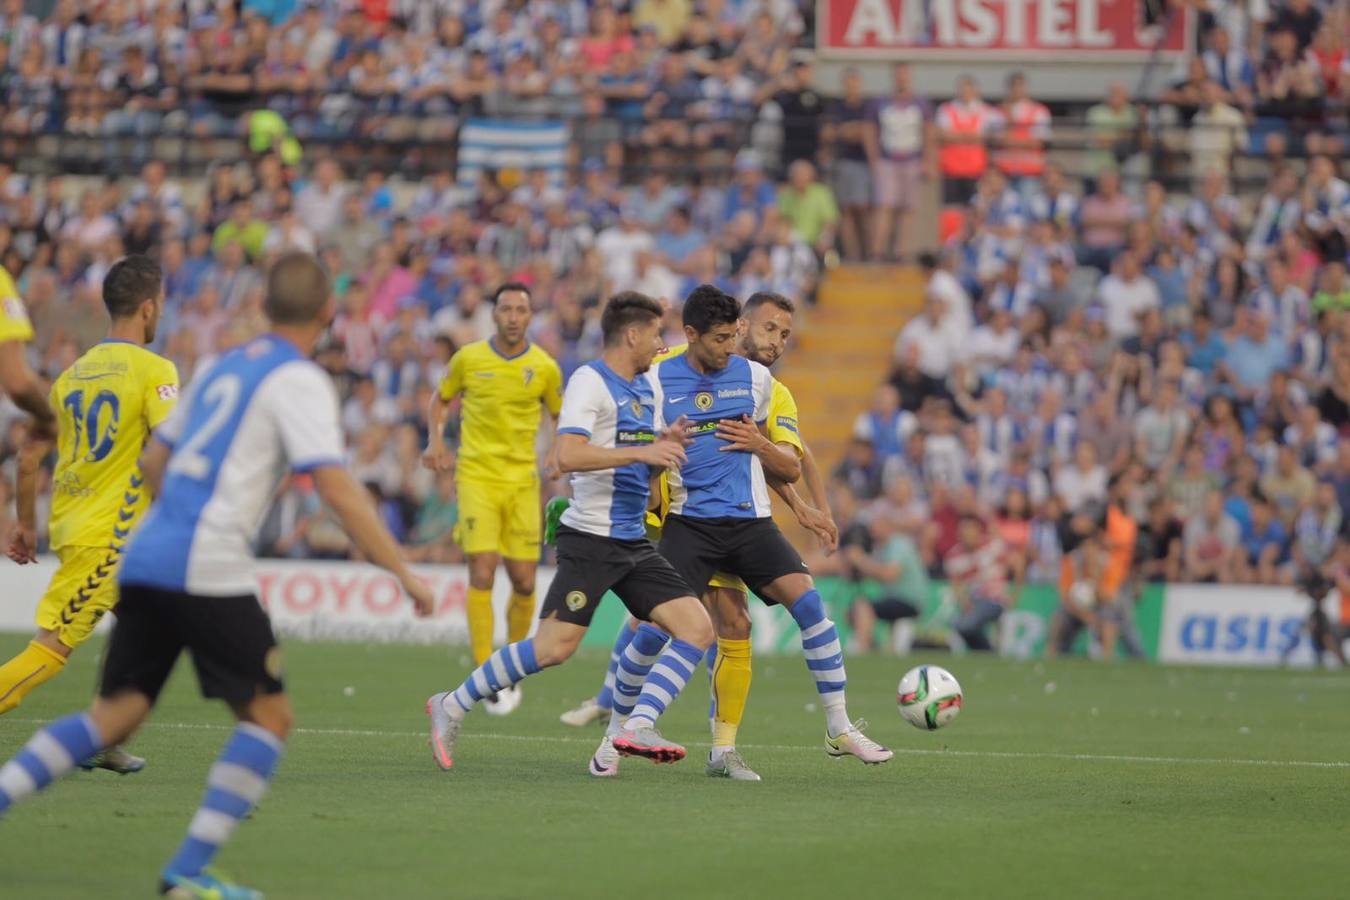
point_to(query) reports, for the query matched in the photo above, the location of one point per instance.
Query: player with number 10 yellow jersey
(106, 405)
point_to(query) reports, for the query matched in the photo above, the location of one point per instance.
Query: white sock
(716, 754)
(836, 720)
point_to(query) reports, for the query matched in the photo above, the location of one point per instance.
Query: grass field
(1066, 779)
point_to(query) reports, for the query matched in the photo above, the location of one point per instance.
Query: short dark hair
(131, 281)
(759, 298)
(297, 289)
(708, 306)
(508, 287)
(624, 310)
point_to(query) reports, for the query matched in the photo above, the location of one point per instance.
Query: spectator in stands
(1210, 543)
(809, 207)
(1289, 486)
(979, 581)
(1104, 217)
(900, 143)
(1230, 67)
(795, 96)
(1115, 131)
(1219, 131)
(1024, 134)
(845, 135)
(860, 470)
(891, 560)
(929, 334)
(965, 126)
(1161, 430)
(1126, 295)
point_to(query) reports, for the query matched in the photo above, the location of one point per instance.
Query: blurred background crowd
(1137, 304)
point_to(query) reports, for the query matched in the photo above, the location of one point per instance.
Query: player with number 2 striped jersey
(262, 410)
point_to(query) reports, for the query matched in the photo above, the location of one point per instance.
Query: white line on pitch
(911, 751)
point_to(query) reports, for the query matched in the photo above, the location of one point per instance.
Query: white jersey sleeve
(583, 402)
(761, 381)
(304, 405)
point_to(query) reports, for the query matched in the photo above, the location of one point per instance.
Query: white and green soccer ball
(929, 697)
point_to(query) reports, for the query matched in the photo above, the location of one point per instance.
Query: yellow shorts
(81, 592)
(499, 518)
(723, 580)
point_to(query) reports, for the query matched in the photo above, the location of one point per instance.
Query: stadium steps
(843, 352)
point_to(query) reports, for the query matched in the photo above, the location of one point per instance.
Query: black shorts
(754, 549)
(230, 639)
(589, 565)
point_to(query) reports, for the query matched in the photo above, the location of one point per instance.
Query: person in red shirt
(1025, 132)
(978, 574)
(964, 126)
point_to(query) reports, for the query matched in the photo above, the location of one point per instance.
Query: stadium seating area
(1083, 319)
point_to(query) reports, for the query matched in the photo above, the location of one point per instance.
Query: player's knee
(698, 630)
(553, 652)
(272, 712)
(733, 624)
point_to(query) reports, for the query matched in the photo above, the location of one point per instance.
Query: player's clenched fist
(424, 602)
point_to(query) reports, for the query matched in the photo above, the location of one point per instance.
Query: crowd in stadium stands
(1096, 357)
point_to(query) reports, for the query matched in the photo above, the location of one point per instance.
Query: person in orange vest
(965, 125)
(1026, 131)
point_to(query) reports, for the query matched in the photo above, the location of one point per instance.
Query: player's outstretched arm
(820, 497)
(813, 520)
(437, 456)
(23, 544)
(352, 507)
(25, 388)
(577, 454)
(154, 460)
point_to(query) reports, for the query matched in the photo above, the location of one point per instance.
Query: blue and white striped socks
(502, 669)
(643, 649)
(664, 682)
(235, 785)
(824, 657)
(48, 755)
(605, 699)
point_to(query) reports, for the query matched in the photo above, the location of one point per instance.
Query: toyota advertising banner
(1232, 625)
(1033, 30)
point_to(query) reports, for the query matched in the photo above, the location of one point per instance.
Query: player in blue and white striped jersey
(720, 519)
(607, 439)
(186, 582)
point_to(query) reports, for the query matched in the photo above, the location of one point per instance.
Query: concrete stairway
(841, 351)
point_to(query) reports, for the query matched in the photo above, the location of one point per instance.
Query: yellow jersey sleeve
(14, 324)
(670, 353)
(553, 387)
(161, 391)
(453, 382)
(782, 422)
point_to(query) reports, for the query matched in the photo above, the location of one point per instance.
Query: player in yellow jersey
(505, 382)
(16, 376)
(107, 403)
(767, 327)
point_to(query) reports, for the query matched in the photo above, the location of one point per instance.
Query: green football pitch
(1070, 779)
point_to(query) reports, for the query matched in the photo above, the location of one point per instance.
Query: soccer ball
(929, 697)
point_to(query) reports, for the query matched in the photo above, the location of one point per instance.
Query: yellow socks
(480, 624)
(26, 671)
(519, 617)
(731, 688)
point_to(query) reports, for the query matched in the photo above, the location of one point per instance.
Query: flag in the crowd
(498, 144)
